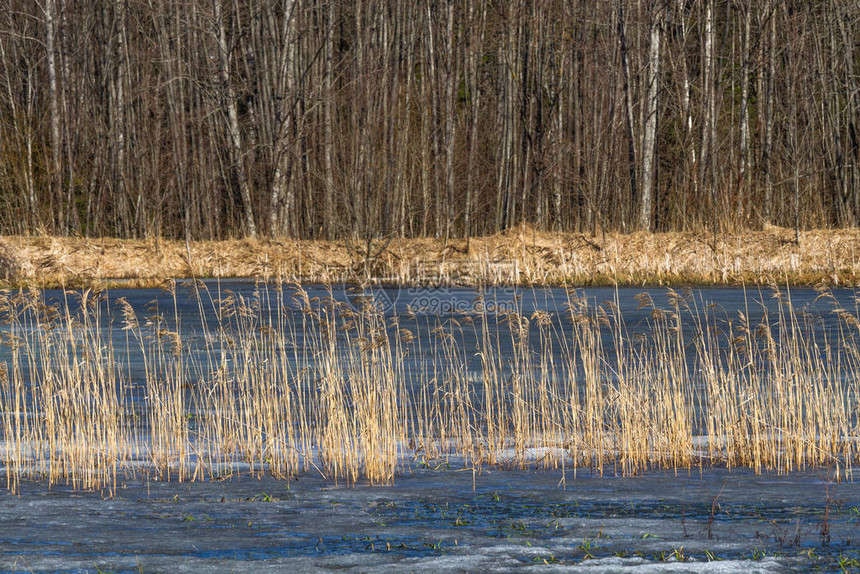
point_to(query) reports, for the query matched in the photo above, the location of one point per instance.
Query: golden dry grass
(518, 256)
(320, 385)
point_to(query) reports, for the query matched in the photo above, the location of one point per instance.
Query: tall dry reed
(284, 383)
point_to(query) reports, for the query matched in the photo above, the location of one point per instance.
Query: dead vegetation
(12, 267)
(280, 382)
(519, 256)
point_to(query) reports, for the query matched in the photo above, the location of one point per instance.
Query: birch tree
(649, 138)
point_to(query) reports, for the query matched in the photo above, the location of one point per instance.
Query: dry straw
(283, 383)
(518, 256)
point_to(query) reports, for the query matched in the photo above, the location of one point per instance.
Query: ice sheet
(435, 521)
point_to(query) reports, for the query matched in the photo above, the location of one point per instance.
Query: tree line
(448, 118)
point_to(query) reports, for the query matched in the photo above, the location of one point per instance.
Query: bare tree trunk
(434, 91)
(428, 124)
(70, 120)
(404, 183)
(706, 161)
(54, 101)
(649, 144)
(282, 199)
(559, 147)
(689, 153)
(744, 119)
(384, 111)
(121, 123)
(328, 135)
(797, 53)
(474, 76)
(628, 101)
(451, 79)
(503, 160)
(238, 155)
(767, 151)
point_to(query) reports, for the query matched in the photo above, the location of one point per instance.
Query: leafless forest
(446, 118)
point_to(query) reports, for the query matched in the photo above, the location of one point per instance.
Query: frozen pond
(437, 515)
(439, 520)
(461, 311)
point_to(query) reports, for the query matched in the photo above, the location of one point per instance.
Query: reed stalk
(279, 382)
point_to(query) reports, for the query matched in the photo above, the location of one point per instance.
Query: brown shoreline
(518, 256)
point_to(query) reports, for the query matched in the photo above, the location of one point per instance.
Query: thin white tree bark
(238, 156)
(54, 102)
(649, 140)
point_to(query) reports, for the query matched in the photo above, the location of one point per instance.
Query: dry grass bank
(521, 256)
